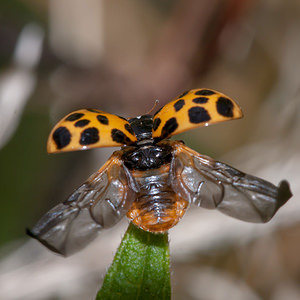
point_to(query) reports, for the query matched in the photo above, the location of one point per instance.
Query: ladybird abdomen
(157, 208)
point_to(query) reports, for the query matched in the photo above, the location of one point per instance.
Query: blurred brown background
(119, 56)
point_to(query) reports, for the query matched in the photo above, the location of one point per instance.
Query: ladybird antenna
(153, 107)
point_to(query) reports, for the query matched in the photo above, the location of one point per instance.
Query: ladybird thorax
(147, 156)
(142, 127)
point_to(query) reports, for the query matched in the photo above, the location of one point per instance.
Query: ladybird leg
(212, 184)
(97, 204)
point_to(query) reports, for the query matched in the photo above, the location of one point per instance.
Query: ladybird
(151, 179)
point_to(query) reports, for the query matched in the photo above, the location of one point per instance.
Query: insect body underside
(157, 208)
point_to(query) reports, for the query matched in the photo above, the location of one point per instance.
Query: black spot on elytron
(225, 107)
(179, 104)
(198, 115)
(93, 110)
(170, 126)
(205, 93)
(89, 136)
(102, 119)
(157, 111)
(128, 128)
(156, 123)
(74, 117)
(182, 95)
(61, 137)
(120, 137)
(200, 100)
(82, 123)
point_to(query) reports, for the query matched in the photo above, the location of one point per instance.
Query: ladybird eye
(89, 128)
(192, 109)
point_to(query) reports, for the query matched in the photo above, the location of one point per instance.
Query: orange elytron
(151, 179)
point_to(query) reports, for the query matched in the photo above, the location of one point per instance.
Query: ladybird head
(142, 127)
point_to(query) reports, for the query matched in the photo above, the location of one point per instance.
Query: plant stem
(140, 269)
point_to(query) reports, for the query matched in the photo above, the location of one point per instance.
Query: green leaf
(141, 268)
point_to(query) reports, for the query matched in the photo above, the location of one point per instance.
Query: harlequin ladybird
(151, 179)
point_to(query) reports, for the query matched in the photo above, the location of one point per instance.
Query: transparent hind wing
(211, 184)
(97, 204)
